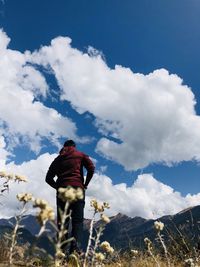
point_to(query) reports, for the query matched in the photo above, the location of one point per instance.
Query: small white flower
(3, 174)
(40, 203)
(107, 247)
(79, 193)
(158, 226)
(134, 252)
(106, 205)
(25, 197)
(99, 256)
(70, 194)
(111, 250)
(97, 206)
(189, 263)
(20, 178)
(45, 215)
(46, 212)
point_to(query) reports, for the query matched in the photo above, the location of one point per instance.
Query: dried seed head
(70, 194)
(99, 256)
(46, 212)
(25, 197)
(158, 226)
(3, 174)
(79, 193)
(134, 252)
(106, 205)
(40, 203)
(20, 178)
(106, 247)
(97, 206)
(105, 218)
(11, 176)
(189, 263)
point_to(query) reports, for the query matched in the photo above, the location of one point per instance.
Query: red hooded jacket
(68, 167)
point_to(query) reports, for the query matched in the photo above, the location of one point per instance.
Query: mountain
(29, 221)
(123, 231)
(28, 232)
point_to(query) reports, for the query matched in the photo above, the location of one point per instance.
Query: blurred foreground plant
(159, 227)
(24, 198)
(91, 248)
(7, 177)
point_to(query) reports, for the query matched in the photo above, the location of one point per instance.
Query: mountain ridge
(126, 232)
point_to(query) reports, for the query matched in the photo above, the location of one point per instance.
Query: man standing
(68, 167)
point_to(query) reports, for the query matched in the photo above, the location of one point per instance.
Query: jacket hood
(67, 150)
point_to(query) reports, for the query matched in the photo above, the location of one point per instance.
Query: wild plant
(149, 246)
(93, 242)
(7, 178)
(24, 198)
(159, 227)
(45, 214)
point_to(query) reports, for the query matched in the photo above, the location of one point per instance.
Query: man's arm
(88, 164)
(51, 174)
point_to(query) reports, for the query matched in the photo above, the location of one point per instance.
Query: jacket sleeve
(88, 164)
(51, 174)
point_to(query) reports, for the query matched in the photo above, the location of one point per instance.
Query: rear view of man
(68, 167)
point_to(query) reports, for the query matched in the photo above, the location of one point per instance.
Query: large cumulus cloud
(23, 116)
(144, 119)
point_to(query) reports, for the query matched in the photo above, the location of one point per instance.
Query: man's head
(69, 143)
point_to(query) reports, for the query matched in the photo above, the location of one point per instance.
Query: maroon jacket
(68, 167)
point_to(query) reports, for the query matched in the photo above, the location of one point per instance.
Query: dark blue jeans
(77, 215)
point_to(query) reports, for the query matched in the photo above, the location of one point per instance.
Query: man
(68, 167)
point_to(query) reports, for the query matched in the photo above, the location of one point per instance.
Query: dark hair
(69, 143)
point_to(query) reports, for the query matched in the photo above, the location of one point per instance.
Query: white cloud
(103, 168)
(35, 170)
(3, 152)
(147, 197)
(23, 117)
(152, 116)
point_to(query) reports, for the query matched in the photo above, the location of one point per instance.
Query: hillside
(123, 231)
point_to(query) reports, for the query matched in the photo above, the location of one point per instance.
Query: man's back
(68, 167)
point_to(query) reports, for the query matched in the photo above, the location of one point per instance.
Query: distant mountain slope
(29, 222)
(123, 231)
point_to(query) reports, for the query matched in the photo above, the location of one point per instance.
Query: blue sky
(141, 37)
